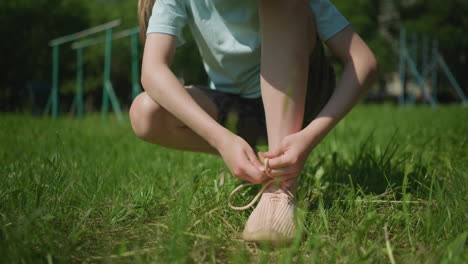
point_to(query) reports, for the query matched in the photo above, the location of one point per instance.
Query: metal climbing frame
(409, 59)
(53, 101)
(136, 87)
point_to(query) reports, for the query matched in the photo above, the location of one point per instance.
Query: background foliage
(28, 25)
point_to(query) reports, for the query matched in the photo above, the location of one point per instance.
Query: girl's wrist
(219, 136)
(316, 131)
(309, 139)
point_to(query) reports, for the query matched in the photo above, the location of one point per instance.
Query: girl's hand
(289, 158)
(241, 159)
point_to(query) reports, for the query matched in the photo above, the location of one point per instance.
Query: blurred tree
(26, 27)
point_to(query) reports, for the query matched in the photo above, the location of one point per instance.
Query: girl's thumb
(270, 154)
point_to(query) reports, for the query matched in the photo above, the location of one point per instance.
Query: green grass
(87, 191)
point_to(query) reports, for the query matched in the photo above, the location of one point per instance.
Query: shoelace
(278, 180)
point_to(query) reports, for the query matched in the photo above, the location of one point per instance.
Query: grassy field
(388, 184)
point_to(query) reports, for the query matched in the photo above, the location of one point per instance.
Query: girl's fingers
(283, 171)
(254, 169)
(281, 162)
(254, 174)
(251, 156)
(270, 153)
(261, 156)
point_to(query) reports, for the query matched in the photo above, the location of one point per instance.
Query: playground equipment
(107, 84)
(409, 60)
(108, 93)
(53, 102)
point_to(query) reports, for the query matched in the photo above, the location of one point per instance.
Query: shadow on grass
(371, 171)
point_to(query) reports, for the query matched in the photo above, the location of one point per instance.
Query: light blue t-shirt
(228, 37)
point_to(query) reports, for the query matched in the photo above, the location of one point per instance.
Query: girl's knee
(146, 117)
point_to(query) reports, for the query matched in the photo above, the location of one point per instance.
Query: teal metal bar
(84, 33)
(73, 105)
(87, 43)
(114, 101)
(414, 49)
(425, 51)
(402, 67)
(115, 36)
(412, 54)
(108, 93)
(79, 83)
(452, 81)
(55, 79)
(107, 65)
(419, 79)
(435, 70)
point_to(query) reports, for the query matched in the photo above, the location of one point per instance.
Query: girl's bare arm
(285, 47)
(360, 68)
(163, 87)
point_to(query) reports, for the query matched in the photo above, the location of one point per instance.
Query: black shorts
(249, 114)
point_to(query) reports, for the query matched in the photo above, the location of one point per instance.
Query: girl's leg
(288, 38)
(154, 124)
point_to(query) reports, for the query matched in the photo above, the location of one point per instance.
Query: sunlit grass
(87, 191)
